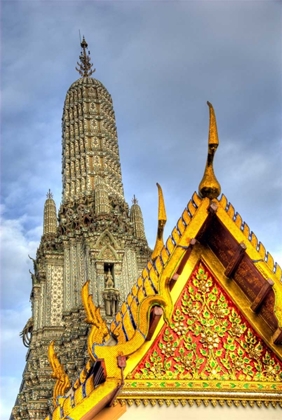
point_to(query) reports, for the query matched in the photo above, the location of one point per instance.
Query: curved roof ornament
(63, 383)
(161, 224)
(209, 186)
(84, 66)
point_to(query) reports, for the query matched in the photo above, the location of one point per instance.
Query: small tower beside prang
(136, 218)
(50, 215)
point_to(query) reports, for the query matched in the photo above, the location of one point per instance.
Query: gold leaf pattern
(208, 339)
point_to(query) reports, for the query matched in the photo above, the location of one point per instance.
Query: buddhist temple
(192, 328)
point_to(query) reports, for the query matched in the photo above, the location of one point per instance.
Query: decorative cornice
(235, 399)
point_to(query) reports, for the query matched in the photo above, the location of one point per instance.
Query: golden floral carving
(208, 339)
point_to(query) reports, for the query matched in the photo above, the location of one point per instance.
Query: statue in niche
(111, 295)
(109, 280)
(111, 301)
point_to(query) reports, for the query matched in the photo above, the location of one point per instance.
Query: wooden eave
(247, 263)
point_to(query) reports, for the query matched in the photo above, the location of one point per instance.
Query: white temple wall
(201, 413)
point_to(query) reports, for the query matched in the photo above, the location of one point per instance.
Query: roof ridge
(125, 322)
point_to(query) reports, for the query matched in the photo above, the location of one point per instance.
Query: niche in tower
(109, 275)
(111, 296)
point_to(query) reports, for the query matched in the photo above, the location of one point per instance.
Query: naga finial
(84, 66)
(63, 383)
(209, 186)
(161, 224)
(99, 332)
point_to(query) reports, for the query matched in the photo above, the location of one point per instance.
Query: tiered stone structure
(97, 237)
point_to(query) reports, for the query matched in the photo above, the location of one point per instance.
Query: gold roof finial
(85, 66)
(161, 224)
(209, 186)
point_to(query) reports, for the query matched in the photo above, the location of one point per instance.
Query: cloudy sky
(161, 61)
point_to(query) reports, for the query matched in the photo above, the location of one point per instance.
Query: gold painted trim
(200, 398)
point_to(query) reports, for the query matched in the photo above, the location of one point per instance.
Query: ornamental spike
(161, 224)
(84, 66)
(209, 186)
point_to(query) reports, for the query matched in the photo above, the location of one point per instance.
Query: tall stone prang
(95, 237)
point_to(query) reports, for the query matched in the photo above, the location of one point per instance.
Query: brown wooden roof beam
(189, 248)
(235, 260)
(155, 315)
(277, 336)
(261, 296)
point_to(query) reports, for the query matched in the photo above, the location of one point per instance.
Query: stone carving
(111, 295)
(111, 300)
(27, 332)
(33, 278)
(35, 275)
(109, 283)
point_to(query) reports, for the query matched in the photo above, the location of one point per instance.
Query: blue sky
(161, 61)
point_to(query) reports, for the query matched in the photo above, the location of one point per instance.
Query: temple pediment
(216, 336)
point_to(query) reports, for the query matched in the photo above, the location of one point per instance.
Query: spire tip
(49, 194)
(84, 66)
(209, 186)
(134, 200)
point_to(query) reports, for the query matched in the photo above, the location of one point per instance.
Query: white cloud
(13, 355)
(8, 385)
(16, 244)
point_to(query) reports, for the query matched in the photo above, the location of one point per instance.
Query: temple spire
(84, 66)
(50, 215)
(136, 218)
(209, 186)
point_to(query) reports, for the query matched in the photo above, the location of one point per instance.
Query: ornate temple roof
(202, 323)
